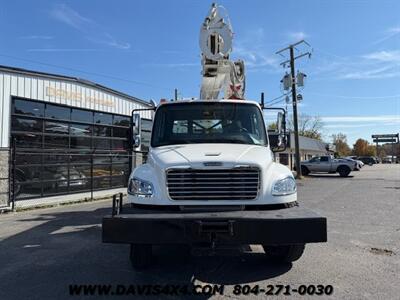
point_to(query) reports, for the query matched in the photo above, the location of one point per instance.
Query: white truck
(210, 176)
(328, 164)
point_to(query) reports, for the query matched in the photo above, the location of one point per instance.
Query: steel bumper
(293, 225)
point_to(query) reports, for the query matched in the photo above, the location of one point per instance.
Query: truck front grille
(213, 184)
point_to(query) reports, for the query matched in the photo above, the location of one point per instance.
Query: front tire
(305, 171)
(140, 256)
(343, 171)
(284, 253)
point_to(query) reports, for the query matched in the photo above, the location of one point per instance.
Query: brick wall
(4, 176)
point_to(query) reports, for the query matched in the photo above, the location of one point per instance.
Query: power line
(273, 101)
(87, 72)
(276, 102)
(356, 97)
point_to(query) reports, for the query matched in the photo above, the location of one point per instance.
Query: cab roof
(211, 101)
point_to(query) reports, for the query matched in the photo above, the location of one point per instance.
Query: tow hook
(214, 227)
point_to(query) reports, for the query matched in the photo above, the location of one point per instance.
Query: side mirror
(136, 131)
(278, 138)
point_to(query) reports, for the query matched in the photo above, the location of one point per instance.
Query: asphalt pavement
(43, 252)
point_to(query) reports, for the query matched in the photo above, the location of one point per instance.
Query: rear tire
(305, 171)
(343, 171)
(284, 253)
(140, 256)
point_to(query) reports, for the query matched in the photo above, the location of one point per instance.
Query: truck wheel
(284, 253)
(305, 171)
(140, 256)
(344, 171)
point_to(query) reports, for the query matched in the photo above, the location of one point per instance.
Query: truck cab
(210, 153)
(210, 178)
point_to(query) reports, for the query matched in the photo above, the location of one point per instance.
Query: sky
(148, 48)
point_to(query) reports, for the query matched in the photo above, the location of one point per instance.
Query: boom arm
(219, 72)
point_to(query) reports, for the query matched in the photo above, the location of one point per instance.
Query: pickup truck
(327, 164)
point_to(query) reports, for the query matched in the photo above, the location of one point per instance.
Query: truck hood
(207, 155)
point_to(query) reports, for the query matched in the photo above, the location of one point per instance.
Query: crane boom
(219, 72)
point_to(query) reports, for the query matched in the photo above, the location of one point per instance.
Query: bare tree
(309, 126)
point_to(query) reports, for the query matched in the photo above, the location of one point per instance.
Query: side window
(315, 159)
(57, 112)
(324, 159)
(102, 118)
(28, 108)
(256, 126)
(82, 115)
(146, 133)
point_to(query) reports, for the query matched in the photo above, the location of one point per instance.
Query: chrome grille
(213, 184)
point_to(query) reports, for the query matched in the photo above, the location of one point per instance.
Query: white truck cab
(210, 153)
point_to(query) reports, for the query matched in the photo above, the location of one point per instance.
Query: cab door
(325, 164)
(314, 164)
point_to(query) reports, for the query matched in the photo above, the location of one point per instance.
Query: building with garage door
(70, 136)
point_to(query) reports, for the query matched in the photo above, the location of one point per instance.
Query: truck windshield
(191, 123)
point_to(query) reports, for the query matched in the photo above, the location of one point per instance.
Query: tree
(371, 150)
(272, 126)
(382, 152)
(309, 126)
(363, 148)
(340, 141)
(391, 149)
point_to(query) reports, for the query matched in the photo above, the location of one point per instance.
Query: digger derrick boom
(219, 72)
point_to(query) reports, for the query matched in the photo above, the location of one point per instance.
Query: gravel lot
(43, 251)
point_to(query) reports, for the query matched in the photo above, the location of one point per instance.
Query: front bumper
(293, 225)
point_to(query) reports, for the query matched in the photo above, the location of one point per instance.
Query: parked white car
(359, 163)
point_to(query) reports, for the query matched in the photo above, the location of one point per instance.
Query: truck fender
(148, 173)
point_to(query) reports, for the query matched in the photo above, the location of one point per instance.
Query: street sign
(378, 136)
(380, 140)
(299, 97)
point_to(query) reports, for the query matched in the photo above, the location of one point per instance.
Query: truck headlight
(140, 188)
(284, 186)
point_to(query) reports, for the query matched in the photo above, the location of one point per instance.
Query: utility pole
(295, 121)
(176, 94)
(291, 60)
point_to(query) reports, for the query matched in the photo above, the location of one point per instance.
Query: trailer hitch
(215, 227)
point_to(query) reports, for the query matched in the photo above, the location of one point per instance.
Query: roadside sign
(379, 136)
(385, 140)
